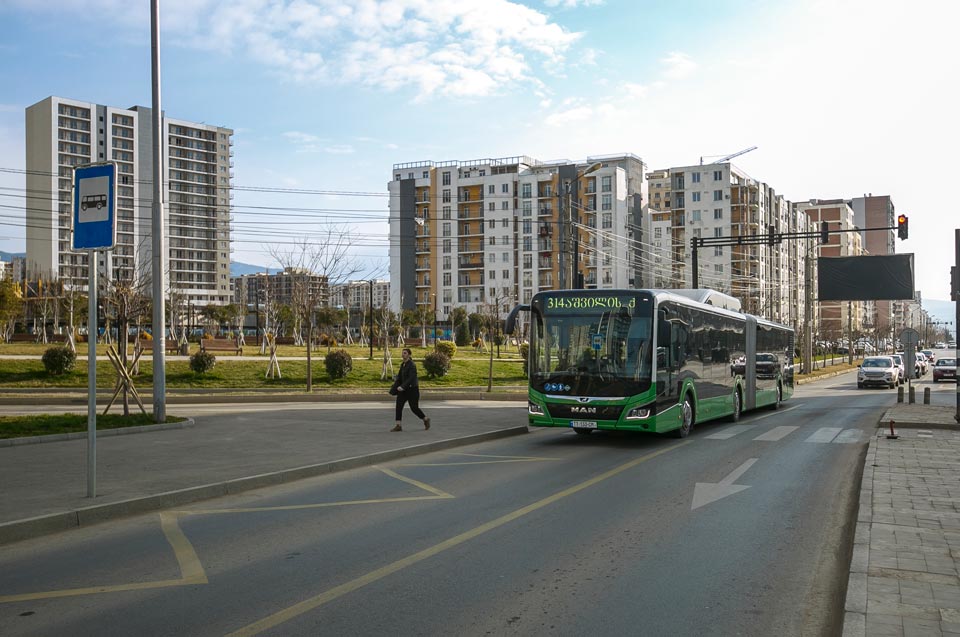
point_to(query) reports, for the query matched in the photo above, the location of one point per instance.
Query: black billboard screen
(873, 278)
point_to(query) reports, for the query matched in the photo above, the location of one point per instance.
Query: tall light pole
(569, 265)
(434, 321)
(159, 351)
(371, 318)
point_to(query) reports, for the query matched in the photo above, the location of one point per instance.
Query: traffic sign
(910, 337)
(95, 207)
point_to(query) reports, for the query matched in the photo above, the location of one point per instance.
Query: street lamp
(569, 265)
(434, 321)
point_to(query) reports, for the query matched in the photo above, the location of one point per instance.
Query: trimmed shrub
(462, 335)
(59, 360)
(338, 363)
(436, 364)
(448, 348)
(202, 362)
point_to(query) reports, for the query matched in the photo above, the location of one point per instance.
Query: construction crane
(729, 157)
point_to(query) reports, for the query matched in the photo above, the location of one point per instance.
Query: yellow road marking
(191, 571)
(416, 483)
(309, 604)
(319, 505)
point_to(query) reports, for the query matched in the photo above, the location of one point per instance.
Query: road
(740, 529)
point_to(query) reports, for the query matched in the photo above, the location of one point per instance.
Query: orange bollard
(892, 435)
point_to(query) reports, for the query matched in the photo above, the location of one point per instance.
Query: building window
(606, 184)
(657, 232)
(718, 251)
(527, 226)
(607, 221)
(505, 206)
(446, 278)
(718, 195)
(492, 206)
(505, 188)
(446, 229)
(526, 190)
(492, 224)
(696, 196)
(446, 246)
(446, 263)
(695, 216)
(718, 175)
(718, 268)
(527, 208)
(446, 212)
(505, 274)
(493, 275)
(446, 195)
(528, 243)
(504, 223)
(527, 261)
(492, 241)
(445, 178)
(491, 189)
(483, 173)
(426, 174)
(505, 257)
(695, 178)
(606, 202)
(718, 213)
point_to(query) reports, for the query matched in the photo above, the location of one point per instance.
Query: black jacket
(407, 376)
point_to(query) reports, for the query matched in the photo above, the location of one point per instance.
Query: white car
(878, 370)
(898, 361)
(923, 362)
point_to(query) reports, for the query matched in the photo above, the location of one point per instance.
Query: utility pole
(808, 312)
(159, 349)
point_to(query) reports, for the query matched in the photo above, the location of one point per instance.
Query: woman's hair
(407, 350)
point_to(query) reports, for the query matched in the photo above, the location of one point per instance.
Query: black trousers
(411, 396)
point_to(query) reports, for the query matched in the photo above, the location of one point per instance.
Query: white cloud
(434, 47)
(678, 65)
(569, 116)
(570, 4)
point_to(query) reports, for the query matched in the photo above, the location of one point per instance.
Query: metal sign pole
(92, 375)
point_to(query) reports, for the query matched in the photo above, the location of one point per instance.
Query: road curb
(38, 398)
(121, 431)
(19, 530)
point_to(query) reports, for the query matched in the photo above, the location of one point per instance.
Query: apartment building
(720, 200)
(837, 318)
(497, 231)
(63, 133)
(877, 211)
(356, 294)
(284, 287)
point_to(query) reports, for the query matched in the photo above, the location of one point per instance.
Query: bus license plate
(584, 424)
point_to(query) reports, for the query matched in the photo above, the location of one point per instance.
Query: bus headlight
(638, 413)
(534, 409)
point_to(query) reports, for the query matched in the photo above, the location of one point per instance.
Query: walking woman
(408, 390)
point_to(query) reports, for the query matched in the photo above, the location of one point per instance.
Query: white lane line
(848, 436)
(825, 434)
(777, 433)
(730, 432)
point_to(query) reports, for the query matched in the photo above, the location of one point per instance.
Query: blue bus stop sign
(95, 207)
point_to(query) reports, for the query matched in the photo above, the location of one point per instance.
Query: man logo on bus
(90, 201)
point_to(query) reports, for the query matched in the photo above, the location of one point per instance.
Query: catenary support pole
(159, 318)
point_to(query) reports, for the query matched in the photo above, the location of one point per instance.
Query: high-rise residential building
(63, 133)
(720, 200)
(837, 318)
(877, 211)
(496, 231)
(356, 295)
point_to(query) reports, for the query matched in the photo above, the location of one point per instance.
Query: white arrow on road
(707, 492)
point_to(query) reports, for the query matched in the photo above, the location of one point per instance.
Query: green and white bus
(650, 360)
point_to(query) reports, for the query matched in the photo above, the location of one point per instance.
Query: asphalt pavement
(904, 575)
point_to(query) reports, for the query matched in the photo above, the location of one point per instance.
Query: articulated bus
(650, 360)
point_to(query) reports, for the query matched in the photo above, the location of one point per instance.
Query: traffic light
(824, 233)
(902, 226)
(771, 236)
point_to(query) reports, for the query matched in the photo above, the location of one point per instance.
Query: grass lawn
(47, 424)
(466, 369)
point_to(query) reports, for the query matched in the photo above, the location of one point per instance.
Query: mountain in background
(943, 311)
(240, 269)
(8, 256)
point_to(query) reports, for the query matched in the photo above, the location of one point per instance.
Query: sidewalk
(905, 571)
(45, 485)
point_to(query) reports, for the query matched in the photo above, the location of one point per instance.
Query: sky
(841, 97)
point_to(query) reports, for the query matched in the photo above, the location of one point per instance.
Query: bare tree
(125, 301)
(316, 264)
(10, 306)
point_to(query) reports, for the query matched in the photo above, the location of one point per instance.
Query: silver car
(878, 370)
(898, 361)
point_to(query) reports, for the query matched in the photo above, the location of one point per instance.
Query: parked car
(923, 362)
(917, 365)
(931, 357)
(878, 370)
(902, 375)
(945, 369)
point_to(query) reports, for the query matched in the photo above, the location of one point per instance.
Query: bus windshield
(590, 345)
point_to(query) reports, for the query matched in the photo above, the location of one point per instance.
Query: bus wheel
(686, 424)
(735, 416)
(583, 431)
(776, 403)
